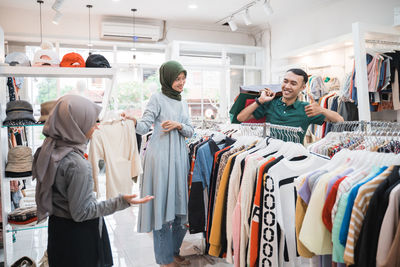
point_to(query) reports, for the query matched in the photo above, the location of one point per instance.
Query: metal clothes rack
(367, 127)
(382, 42)
(207, 124)
(288, 131)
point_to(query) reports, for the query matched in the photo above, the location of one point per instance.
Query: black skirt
(78, 244)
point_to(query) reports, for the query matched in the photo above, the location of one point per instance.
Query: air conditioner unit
(145, 31)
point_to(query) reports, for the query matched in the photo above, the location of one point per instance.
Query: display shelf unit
(361, 34)
(56, 72)
(18, 228)
(28, 125)
(52, 72)
(17, 178)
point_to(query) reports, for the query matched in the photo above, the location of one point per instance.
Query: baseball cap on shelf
(17, 59)
(97, 61)
(46, 56)
(73, 60)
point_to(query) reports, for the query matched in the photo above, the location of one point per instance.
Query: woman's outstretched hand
(128, 115)
(170, 125)
(133, 200)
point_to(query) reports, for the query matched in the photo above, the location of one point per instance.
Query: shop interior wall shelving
(52, 72)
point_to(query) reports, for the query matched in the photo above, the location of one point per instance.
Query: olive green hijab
(169, 71)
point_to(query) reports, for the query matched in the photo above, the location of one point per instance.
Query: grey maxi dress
(166, 163)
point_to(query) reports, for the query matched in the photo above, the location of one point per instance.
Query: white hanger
(218, 137)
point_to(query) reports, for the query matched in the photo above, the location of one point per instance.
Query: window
(215, 74)
(134, 87)
(202, 92)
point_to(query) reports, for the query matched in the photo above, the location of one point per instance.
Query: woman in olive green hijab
(166, 165)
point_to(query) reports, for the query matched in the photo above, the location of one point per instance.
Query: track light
(232, 24)
(57, 18)
(246, 17)
(57, 5)
(268, 8)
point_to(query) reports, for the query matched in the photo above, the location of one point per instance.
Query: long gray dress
(166, 163)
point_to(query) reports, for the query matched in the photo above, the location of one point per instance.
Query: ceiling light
(57, 18)
(246, 17)
(57, 5)
(134, 37)
(232, 24)
(268, 8)
(192, 4)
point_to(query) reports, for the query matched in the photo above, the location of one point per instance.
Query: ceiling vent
(122, 29)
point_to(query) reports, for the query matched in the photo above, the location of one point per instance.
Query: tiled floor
(129, 248)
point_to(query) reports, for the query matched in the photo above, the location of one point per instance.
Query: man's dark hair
(300, 72)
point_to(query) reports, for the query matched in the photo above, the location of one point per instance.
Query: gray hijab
(72, 117)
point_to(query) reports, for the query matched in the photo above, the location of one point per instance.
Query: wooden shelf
(56, 72)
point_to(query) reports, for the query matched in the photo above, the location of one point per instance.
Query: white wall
(71, 27)
(326, 21)
(1, 45)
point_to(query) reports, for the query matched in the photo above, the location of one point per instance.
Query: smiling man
(288, 110)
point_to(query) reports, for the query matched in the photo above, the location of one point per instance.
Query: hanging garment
(278, 243)
(359, 210)
(115, 143)
(388, 236)
(367, 243)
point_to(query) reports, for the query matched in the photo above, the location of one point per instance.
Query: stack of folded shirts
(23, 216)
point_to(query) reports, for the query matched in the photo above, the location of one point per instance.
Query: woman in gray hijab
(77, 235)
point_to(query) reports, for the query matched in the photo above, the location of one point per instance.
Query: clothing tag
(377, 97)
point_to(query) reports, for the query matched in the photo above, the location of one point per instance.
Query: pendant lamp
(90, 40)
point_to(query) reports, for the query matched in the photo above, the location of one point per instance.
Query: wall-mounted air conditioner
(145, 30)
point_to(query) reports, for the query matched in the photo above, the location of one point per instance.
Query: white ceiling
(207, 13)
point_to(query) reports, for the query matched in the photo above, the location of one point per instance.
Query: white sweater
(278, 210)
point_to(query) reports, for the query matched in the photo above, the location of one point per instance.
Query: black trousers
(78, 244)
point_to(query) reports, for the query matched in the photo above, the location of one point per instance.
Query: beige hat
(45, 110)
(19, 159)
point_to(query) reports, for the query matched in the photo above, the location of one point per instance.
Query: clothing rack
(382, 42)
(375, 136)
(288, 131)
(367, 127)
(207, 124)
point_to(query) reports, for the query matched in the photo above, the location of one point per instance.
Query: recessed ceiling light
(192, 6)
